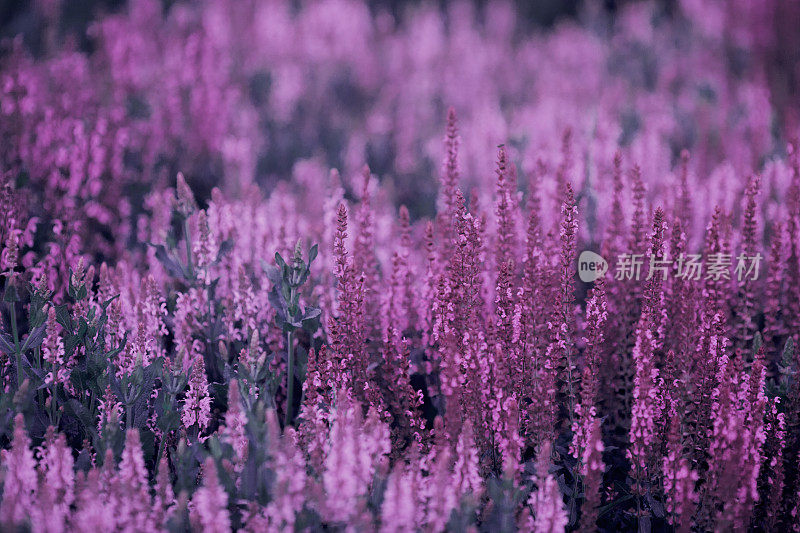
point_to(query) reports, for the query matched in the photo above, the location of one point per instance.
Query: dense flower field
(281, 266)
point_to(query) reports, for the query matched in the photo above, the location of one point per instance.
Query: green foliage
(285, 295)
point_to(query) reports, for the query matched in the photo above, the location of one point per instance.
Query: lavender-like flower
(210, 502)
(19, 478)
(197, 404)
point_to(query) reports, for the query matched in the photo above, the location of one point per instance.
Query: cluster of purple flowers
(206, 328)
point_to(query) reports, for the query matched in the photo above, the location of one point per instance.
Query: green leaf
(76, 408)
(173, 267)
(758, 342)
(303, 277)
(64, 318)
(34, 339)
(311, 312)
(273, 273)
(280, 261)
(105, 304)
(224, 247)
(616, 503)
(10, 294)
(6, 344)
(788, 352)
(81, 293)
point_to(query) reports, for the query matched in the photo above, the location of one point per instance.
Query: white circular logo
(591, 266)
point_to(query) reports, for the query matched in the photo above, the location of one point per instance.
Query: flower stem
(289, 379)
(15, 333)
(188, 242)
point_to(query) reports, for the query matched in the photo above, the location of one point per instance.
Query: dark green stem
(161, 446)
(289, 379)
(37, 355)
(188, 247)
(128, 416)
(15, 333)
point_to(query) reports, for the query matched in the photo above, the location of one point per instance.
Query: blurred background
(242, 93)
(20, 16)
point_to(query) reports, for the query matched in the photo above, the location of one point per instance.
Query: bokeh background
(263, 92)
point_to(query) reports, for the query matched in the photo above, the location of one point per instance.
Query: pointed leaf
(173, 267)
(788, 351)
(6, 344)
(34, 339)
(224, 247)
(311, 312)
